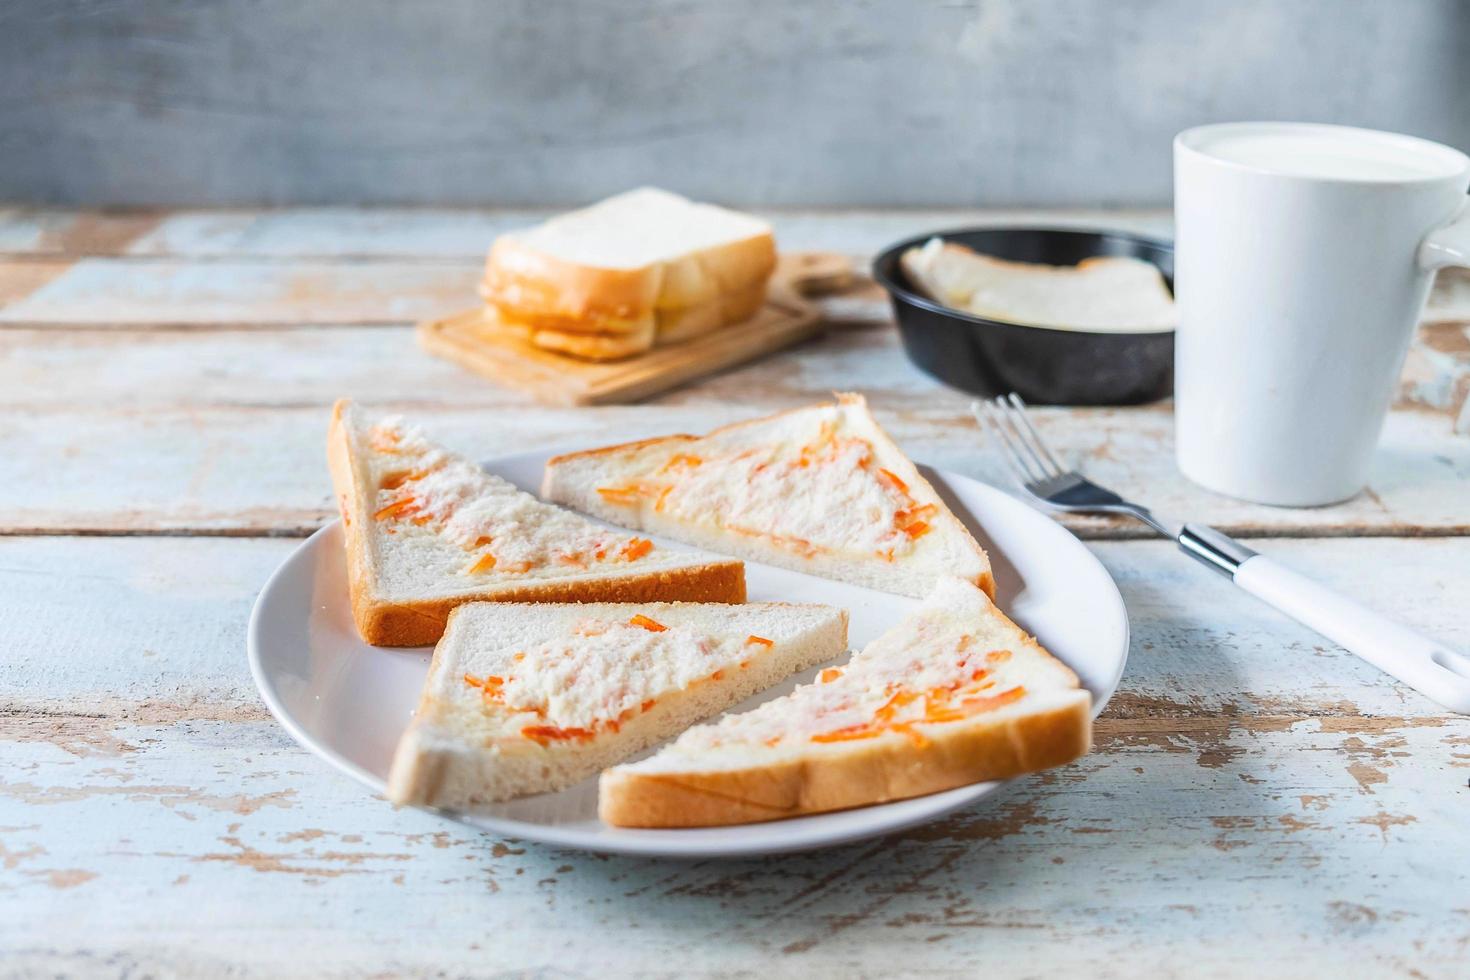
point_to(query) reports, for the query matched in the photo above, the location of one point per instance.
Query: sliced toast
(820, 489)
(954, 694)
(529, 698)
(607, 280)
(427, 530)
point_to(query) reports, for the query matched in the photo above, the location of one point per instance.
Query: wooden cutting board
(555, 379)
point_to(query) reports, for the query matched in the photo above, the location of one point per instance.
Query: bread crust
(417, 624)
(985, 580)
(427, 772)
(891, 767)
(727, 309)
(384, 623)
(530, 285)
(708, 274)
(533, 285)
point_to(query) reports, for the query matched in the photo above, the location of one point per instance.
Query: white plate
(348, 702)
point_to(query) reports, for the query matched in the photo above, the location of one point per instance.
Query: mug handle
(1449, 244)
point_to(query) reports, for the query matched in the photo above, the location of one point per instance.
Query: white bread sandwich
(954, 694)
(642, 267)
(427, 530)
(1107, 293)
(527, 699)
(819, 489)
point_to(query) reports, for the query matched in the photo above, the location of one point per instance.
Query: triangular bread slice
(820, 489)
(954, 694)
(428, 530)
(527, 699)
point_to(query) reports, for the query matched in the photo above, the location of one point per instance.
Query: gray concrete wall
(991, 102)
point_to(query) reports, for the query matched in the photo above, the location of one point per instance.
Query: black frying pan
(1043, 365)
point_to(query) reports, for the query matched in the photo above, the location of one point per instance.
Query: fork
(1429, 667)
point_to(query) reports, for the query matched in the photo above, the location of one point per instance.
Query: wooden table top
(1258, 800)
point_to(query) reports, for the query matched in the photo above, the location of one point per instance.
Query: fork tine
(981, 411)
(1020, 410)
(1033, 459)
(989, 413)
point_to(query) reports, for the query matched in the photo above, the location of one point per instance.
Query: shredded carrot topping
(917, 529)
(887, 477)
(637, 548)
(829, 675)
(399, 508)
(550, 733)
(752, 638)
(849, 733)
(396, 480)
(482, 564)
(630, 494)
(651, 625)
(937, 709)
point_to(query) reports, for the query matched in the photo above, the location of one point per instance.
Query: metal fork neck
(1146, 515)
(1209, 547)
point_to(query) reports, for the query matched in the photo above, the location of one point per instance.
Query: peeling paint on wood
(152, 632)
(133, 467)
(1070, 870)
(1256, 795)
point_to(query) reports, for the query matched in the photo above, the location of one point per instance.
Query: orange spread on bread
(940, 705)
(550, 733)
(403, 503)
(911, 519)
(636, 549)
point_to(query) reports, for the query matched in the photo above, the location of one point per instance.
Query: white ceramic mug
(1304, 255)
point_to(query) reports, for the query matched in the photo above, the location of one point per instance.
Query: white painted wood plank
(155, 627)
(130, 627)
(464, 235)
(70, 232)
(172, 293)
(132, 465)
(334, 232)
(195, 847)
(467, 233)
(43, 368)
(149, 809)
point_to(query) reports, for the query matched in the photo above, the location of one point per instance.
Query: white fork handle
(1430, 668)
